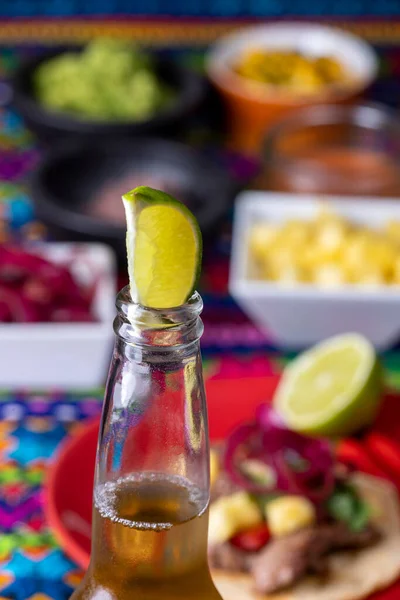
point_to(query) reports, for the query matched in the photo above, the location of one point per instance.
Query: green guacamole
(110, 80)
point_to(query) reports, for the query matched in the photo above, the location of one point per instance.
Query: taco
(299, 534)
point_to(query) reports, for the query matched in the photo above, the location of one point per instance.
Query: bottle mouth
(158, 326)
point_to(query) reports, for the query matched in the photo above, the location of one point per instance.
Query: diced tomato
(252, 539)
(352, 453)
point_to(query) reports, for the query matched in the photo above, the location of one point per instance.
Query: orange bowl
(251, 107)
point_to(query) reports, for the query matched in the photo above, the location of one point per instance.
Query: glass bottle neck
(154, 417)
(168, 328)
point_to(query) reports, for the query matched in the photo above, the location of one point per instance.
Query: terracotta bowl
(251, 107)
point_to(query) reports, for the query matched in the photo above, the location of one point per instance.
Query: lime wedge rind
(130, 212)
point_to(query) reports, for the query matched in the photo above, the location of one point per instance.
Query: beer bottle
(151, 489)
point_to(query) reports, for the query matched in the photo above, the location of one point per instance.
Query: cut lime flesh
(163, 246)
(333, 389)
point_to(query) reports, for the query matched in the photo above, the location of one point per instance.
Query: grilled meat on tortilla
(330, 564)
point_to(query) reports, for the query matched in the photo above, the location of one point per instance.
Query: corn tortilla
(351, 575)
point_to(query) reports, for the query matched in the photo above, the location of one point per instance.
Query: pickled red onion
(302, 465)
(33, 289)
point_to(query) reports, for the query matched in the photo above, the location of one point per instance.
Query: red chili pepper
(352, 453)
(386, 452)
(252, 540)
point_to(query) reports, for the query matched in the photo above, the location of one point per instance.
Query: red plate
(68, 493)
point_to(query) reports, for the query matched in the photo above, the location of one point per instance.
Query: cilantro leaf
(346, 505)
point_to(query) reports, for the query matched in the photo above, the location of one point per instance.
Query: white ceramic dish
(295, 317)
(64, 355)
(310, 39)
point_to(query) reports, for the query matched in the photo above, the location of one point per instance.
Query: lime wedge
(164, 248)
(333, 389)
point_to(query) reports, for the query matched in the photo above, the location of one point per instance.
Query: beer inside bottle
(151, 489)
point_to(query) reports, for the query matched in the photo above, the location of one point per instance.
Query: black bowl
(191, 91)
(68, 188)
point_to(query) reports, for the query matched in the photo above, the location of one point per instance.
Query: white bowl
(310, 39)
(64, 355)
(297, 316)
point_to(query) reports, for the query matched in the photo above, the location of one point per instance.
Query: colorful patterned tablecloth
(32, 566)
(31, 427)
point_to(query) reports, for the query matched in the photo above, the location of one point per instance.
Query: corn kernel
(326, 250)
(231, 514)
(331, 236)
(261, 238)
(372, 277)
(290, 275)
(396, 271)
(330, 275)
(295, 233)
(288, 514)
(393, 230)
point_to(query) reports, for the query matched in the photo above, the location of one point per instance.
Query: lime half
(164, 248)
(333, 389)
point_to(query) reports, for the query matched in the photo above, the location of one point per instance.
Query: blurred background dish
(334, 150)
(327, 250)
(109, 80)
(64, 354)
(76, 92)
(253, 106)
(36, 289)
(77, 190)
(296, 313)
